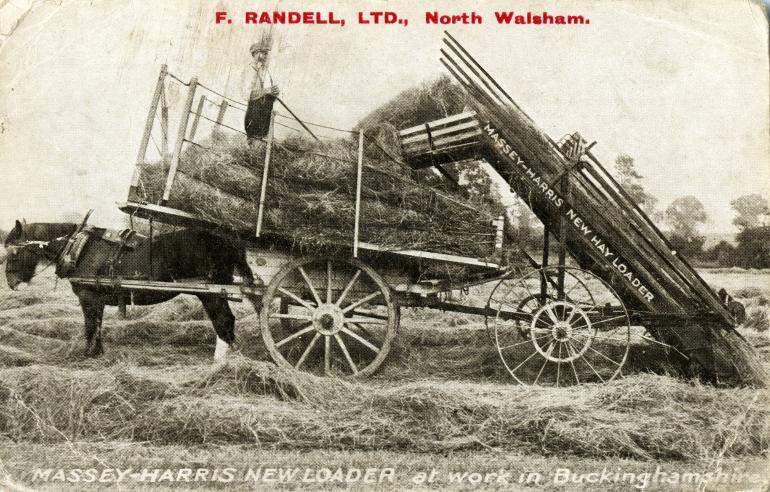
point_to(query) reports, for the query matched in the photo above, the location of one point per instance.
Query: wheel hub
(562, 331)
(560, 342)
(328, 319)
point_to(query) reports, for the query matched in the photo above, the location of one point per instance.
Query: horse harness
(123, 240)
(67, 259)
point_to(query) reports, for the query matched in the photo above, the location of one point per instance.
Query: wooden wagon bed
(479, 270)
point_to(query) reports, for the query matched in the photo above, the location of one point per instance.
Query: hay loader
(593, 218)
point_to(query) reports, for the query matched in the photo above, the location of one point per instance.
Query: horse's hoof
(236, 355)
(222, 350)
(94, 351)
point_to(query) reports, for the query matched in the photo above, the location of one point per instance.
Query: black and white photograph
(384, 245)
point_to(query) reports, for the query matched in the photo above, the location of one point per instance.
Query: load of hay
(431, 100)
(310, 197)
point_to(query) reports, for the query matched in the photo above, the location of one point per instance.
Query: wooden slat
(446, 141)
(179, 140)
(444, 131)
(167, 215)
(196, 120)
(447, 154)
(132, 191)
(436, 123)
(460, 260)
(265, 171)
(424, 146)
(443, 145)
(230, 290)
(359, 171)
(435, 126)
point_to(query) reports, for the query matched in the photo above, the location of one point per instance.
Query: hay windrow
(242, 401)
(311, 197)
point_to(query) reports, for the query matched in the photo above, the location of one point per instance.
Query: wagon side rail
(233, 292)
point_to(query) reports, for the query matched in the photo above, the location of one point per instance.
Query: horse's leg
(93, 312)
(223, 320)
(98, 348)
(242, 266)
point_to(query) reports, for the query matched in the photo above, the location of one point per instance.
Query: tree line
(685, 216)
(682, 221)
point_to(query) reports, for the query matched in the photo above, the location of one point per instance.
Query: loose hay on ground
(645, 417)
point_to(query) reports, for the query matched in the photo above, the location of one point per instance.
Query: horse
(182, 254)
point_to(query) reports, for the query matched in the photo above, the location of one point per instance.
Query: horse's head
(28, 244)
(22, 233)
(16, 236)
(21, 263)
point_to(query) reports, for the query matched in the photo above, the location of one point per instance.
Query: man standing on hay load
(261, 98)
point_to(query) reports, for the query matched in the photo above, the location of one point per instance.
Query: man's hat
(263, 45)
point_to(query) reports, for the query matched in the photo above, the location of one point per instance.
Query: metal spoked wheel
(582, 335)
(329, 317)
(546, 291)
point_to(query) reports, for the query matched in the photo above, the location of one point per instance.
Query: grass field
(442, 403)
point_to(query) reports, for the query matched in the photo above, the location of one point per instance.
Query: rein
(42, 245)
(41, 248)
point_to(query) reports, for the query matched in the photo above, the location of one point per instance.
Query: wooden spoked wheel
(581, 334)
(329, 317)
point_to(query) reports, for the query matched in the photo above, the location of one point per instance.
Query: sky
(680, 86)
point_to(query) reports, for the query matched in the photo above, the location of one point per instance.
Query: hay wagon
(564, 323)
